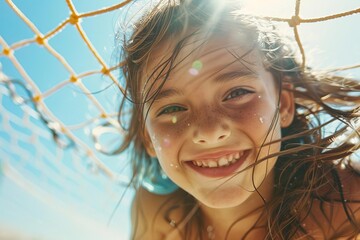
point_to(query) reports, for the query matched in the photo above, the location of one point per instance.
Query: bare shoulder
(151, 214)
(351, 195)
(338, 214)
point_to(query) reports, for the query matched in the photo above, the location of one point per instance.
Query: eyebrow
(224, 77)
(167, 93)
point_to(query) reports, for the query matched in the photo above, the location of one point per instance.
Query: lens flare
(196, 67)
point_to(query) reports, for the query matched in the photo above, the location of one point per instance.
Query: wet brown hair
(327, 107)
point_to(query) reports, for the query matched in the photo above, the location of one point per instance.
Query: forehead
(213, 53)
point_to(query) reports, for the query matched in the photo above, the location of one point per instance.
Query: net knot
(7, 51)
(103, 115)
(294, 21)
(105, 71)
(37, 98)
(73, 79)
(40, 40)
(74, 19)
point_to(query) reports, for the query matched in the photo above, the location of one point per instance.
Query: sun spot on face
(166, 142)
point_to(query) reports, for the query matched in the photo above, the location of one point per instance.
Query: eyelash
(242, 91)
(169, 109)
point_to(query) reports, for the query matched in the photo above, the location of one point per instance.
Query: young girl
(256, 146)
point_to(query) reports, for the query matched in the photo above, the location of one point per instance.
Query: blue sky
(51, 193)
(47, 192)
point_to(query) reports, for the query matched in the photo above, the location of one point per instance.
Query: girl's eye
(239, 92)
(171, 109)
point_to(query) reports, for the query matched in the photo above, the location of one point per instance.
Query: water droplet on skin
(188, 124)
(174, 119)
(261, 119)
(173, 165)
(259, 96)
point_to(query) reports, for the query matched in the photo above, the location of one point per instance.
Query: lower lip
(218, 172)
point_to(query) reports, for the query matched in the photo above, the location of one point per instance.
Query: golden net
(30, 120)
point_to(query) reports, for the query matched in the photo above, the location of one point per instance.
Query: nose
(210, 132)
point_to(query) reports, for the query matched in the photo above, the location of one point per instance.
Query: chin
(225, 198)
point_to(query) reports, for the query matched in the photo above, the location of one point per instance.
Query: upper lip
(215, 154)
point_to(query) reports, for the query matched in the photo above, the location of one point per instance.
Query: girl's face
(211, 117)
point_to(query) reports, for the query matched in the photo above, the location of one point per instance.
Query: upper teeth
(219, 162)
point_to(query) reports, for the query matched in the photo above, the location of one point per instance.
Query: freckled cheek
(256, 114)
(166, 136)
(167, 140)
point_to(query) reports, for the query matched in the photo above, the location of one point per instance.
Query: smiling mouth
(222, 166)
(223, 161)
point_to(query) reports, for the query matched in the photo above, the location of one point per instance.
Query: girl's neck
(239, 220)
